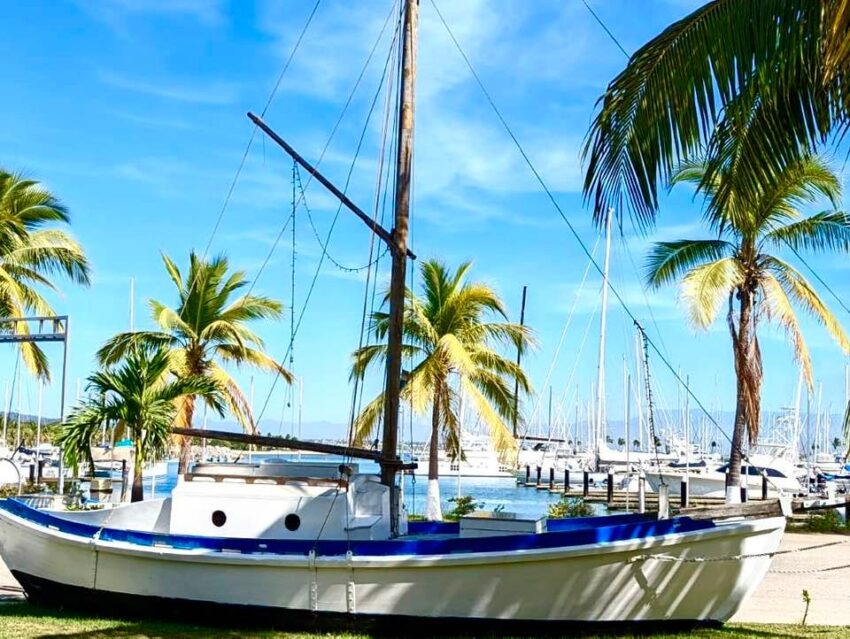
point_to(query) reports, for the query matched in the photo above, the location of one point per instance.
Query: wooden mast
(404, 164)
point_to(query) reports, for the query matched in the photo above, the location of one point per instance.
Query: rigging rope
(312, 286)
(701, 560)
(244, 158)
(331, 259)
(614, 290)
(560, 344)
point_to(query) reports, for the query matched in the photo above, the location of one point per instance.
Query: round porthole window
(292, 522)
(219, 518)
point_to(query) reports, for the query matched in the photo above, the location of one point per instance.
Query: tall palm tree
(759, 83)
(738, 269)
(207, 328)
(450, 333)
(138, 397)
(31, 253)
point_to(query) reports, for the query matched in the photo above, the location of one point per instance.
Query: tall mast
(518, 360)
(404, 163)
(603, 324)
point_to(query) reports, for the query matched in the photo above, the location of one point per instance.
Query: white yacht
(782, 477)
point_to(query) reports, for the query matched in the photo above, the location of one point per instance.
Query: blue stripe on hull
(562, 533)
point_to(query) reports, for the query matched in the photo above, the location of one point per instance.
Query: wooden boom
(379, 230)
(291, 444)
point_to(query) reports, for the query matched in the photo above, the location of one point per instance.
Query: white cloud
(212, 93)
(119, 14)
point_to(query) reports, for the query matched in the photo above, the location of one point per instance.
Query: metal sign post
(17, 330)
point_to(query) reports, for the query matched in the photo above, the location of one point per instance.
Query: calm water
(491, 493)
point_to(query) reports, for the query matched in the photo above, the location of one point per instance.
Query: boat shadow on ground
(29, 620)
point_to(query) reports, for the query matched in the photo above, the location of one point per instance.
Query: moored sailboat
(313, 541)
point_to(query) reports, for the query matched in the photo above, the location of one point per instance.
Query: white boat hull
(598, 582)
(714, 484)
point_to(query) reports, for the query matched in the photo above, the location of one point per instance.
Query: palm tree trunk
(137, 491)
(433, 510)
(188, 411)
(741, 339)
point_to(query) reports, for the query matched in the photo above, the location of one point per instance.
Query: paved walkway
(779, 599)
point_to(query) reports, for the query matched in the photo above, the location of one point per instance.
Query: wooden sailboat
(314, 542)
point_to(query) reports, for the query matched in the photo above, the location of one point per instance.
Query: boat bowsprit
(296, 548)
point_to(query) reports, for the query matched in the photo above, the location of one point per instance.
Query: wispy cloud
(213, 93)
(152, 121)
(118, 14)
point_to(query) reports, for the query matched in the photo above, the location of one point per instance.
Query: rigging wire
(315, 278)
(331, 259)
(606, 29)
(793, 250)
(244, 158)
(614, 290)
(381, 190)
(561, 341)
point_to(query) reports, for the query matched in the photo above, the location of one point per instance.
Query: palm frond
(798, 289)
(668, 261)
(367, 422)
(780, 310)
(706, 288)
(715, 66)
(826, 231)
(500, 433)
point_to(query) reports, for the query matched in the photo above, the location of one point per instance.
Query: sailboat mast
(603, 324)
(518, 361)
(404, 163)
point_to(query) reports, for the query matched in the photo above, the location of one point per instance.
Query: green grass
(21, 620)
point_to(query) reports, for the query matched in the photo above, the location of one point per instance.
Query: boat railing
(267, 479)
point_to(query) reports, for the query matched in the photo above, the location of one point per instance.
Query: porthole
(219, 518)
(292, 522)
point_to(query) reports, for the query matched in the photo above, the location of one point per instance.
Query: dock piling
(764, 485)
(663, 501)
(684, 493)
(527, 474)
(538, 475)
(566, 480)
(610, 487)
(586, 490)
(642, 492)
(551, 478)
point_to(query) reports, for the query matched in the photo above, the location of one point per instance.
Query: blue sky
(133, 112)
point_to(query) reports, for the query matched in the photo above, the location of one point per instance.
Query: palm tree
(636, 444)
(206, 329)
(450, 336)
(31, 252)
(758, 83)
(738, 270)
(139, 397)
(621, 442)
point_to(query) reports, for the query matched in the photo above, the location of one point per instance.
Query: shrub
(827, 522)
(464, 505)
(570, 507)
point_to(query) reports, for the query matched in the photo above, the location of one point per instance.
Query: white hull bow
(520, 578)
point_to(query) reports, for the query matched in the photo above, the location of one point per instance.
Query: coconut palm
(139, 397)
(758, 83)
(739, 270)
(451, 333)
(206, 330)
(31, 253)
